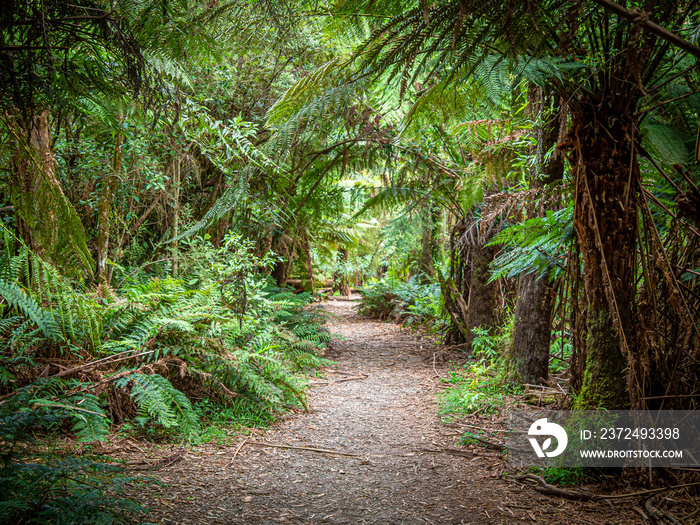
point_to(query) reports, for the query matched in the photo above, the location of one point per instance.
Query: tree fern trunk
(601, 145)
(481, 307)
(532, 328)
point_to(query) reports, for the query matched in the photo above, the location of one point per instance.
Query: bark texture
(607, 181)
(532, 328)
(481, 307)
(104, 207)
(48, 222)
(532, 325)
(308, 259)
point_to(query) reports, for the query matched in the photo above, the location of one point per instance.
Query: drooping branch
(641, 18)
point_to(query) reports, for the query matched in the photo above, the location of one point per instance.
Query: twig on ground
(551, 490)
(451, 452)
(308, 449)
(236, 453)
(434, 370)
(658, 514)
(343, 380)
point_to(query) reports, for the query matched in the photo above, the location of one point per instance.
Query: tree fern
(536, 245)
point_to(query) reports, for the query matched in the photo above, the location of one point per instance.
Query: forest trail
(398, 471)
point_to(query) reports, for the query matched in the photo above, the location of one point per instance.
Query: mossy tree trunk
(308, 259)
(104, 207)
(606, 173)
(48, 222)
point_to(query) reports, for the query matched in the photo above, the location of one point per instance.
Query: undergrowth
(486, 384)
(407, 302)
(41, 488)
(145, 357)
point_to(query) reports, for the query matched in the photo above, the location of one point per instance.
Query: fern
(26, 305)
(536, 245)
(161, 401)
(90, 423)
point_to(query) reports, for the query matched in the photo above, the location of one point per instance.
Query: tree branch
(652, 27)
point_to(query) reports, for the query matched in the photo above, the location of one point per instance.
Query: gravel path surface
(402, 464)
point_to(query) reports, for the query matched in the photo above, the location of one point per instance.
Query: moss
(604, 381)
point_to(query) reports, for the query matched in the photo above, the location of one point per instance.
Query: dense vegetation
(180, 179)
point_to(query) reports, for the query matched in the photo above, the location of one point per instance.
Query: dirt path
(399, 473)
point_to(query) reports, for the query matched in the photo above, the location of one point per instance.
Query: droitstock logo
(542, 428)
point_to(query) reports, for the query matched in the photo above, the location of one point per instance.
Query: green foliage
(49, 489)
(560, 352)
(159, 400)
(234, 335)
(666, 143)
(570, 475)
(535, 245)
(486, 384)
(406, 302)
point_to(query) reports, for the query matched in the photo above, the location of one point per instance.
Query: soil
(403, 465)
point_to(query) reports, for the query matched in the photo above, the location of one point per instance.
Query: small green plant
(568, 475)
(408, 302)
(560, 352)
(486, 384)
(463, 400)
(40, 488)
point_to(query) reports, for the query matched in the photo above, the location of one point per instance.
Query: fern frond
(162, 402)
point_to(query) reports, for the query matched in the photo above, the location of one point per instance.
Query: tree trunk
(104, 207)
(601, 146)
(481, 307)
(532, 323)
(456, 287)
(532, 328)
(309, 260)
(176, 210)
(48, 222)
(426, 265)
(344, 283)
(283, 247)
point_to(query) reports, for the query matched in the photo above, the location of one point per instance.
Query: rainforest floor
(403, 465)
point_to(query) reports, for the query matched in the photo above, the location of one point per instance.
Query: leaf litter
(372, 450)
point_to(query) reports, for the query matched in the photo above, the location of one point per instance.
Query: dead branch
(360, 377)
(551, 490)
(307, 449)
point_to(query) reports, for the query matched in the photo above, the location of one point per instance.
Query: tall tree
(535, 300)
(51, 53)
